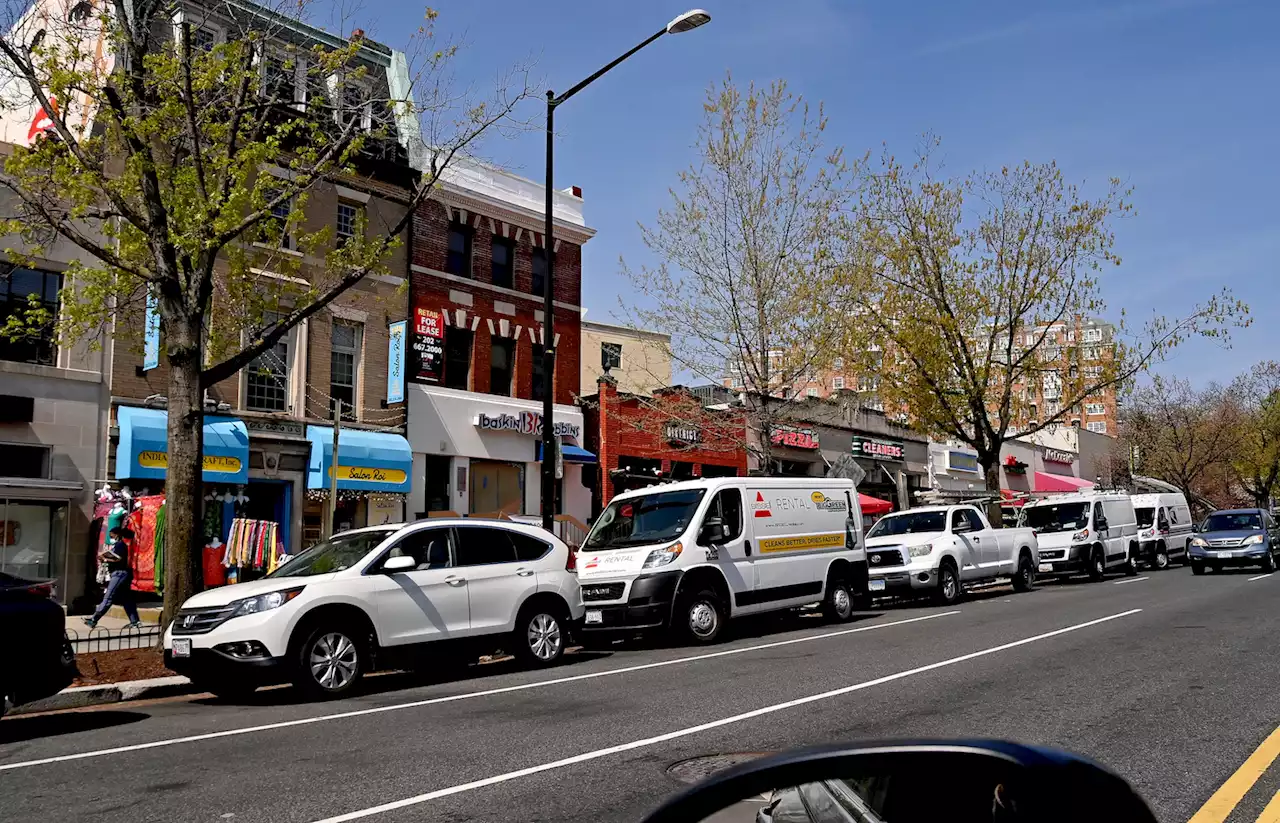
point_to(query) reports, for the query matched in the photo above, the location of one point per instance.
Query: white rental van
(1164, 528)
(690, 555)
(1088, 532)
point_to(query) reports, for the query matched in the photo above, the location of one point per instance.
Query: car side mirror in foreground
(402, 563)
(915, 782)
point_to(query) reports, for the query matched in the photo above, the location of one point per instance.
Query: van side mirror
(712, 532)
(401, 563)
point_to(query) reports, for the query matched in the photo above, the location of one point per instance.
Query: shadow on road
(20, 728)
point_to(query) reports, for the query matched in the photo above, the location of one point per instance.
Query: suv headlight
(264, 602)
(921, 551)
(1252, 540)
(1199, 542)
(1083, 534)
(661, 557)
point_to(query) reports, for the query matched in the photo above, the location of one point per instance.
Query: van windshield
(1145, 517)
(650, 518)
(1060, 517)
(909, 523)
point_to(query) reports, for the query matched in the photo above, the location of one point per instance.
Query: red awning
(1060, 483)
(874, 505)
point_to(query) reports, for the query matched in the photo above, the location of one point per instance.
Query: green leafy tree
(967, 297)
(180, 164)
(1256, 452)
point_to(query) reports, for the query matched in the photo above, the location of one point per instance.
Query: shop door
(496, 487)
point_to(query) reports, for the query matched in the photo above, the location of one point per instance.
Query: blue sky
(1176, 97)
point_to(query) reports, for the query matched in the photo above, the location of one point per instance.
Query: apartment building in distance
(638, 360)
(1072, 353)
(475, 393)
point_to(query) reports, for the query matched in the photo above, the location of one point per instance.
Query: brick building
(475, 360)
(670, 435)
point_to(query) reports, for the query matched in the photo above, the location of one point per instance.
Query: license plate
(1223, 555)
(875, 585)
(1045, 568)
(182, 647)
(595, 616)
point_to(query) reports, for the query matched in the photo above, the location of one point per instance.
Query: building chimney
(358, 34)
(577, 191)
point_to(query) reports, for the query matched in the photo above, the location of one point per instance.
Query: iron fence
(113, 640)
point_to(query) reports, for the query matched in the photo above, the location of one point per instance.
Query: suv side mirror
(402, 563)
(712, 532)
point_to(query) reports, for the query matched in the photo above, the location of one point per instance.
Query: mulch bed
(99, 668)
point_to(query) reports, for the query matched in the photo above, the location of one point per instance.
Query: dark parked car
(1235, 537)
(38, 658)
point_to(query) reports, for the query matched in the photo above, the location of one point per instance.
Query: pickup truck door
(968, 543)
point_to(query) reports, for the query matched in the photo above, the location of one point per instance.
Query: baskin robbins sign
(527, 423)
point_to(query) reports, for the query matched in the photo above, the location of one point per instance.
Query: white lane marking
(1130, 580)
(195, 738)
(1259, 577)
(725, 721)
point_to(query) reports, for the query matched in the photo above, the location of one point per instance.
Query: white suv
(376, 597)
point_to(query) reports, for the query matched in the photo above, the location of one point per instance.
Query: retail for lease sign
(428, 345)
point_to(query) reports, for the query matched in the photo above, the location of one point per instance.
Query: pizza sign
(794, 437)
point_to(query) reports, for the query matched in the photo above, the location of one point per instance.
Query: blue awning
(367, 461)
(143, 453)
(572, 453)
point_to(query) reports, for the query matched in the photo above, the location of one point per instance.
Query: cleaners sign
(876, 449)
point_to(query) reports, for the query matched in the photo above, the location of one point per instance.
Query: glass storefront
(33, 535)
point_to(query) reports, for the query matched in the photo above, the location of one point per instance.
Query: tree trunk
(990, 462)
(184, 477)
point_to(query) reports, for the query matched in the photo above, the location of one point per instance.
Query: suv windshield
(1233, 522)
(1061, 517)
(333, 555)
(909, 523)
(651, 518)
(1145, 517)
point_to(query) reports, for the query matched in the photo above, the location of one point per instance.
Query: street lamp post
(686, 22)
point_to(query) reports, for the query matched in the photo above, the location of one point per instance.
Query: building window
(31, 297)
(267, 383)
(837, 383)
(1092, 336)
(539, 373)
(504, 261)
(502, 355)
(1094, 408)
(204, 38)
(1033, 411)
(457, 358)
(1052, 386)
(838, 364)
(345, 224)
(280, 78)
(1097, 426)
(276, 229)
(811, 392)
(24, 461)
(1093, 371)
(610, 356)
(344, 366)
(868, 383)
(538, 285)
(458, 260)
(353, 102)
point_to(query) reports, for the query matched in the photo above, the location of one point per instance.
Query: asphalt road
(1167, 678)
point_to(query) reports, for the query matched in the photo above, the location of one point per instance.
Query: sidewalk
(78, 697)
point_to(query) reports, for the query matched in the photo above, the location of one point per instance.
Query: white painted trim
(392, 279)
(557, 249)
(344, 313)
(489, 321)
(351, 194)
(519, 329)
(460, 318)
(285, 277)
(506, 229)
(283, 174)
(277, 249)
(475, 322)
(490, 287)
(519, 233)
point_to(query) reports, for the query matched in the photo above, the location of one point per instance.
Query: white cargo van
(690, 555)
(1088, 532)
(1164, 528)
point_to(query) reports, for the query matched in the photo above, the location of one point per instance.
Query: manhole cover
(697, 769)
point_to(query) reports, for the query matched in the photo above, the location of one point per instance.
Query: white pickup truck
(942, 549)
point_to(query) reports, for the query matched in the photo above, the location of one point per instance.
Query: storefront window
(30, 297)
(32, 538)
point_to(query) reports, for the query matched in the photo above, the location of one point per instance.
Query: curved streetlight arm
(552, 102)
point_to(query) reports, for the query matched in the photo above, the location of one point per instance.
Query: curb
(82, 696)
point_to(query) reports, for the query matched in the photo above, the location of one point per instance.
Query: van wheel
(1025, 579)
(1162, 557)
(330, 662)
(837, 606)
(948, 585)
(1097, 564)
(1130, 561)
(1197, 568)
(539, 636)
(700, 616)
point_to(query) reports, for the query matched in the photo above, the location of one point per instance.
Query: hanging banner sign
(428, 345)
(396, 333)
(151, 342)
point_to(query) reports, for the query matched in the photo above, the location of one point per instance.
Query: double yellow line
(1229, 794)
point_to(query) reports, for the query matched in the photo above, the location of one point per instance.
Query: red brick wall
(430, 237)
(618, 425)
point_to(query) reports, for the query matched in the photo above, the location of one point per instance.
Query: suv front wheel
(330, 662)
(539, 636)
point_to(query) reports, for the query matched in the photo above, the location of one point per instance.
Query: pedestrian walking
(116, 559)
